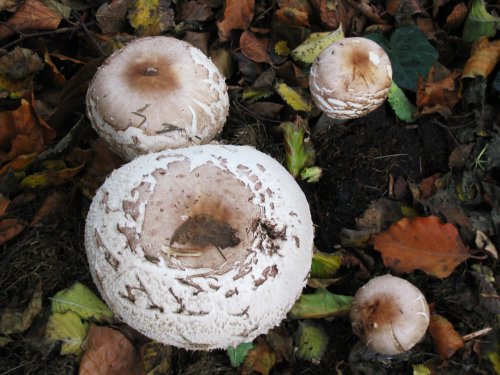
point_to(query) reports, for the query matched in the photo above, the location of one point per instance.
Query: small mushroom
(389, 314)
(157, 93)
(202, 247)
(350, 78)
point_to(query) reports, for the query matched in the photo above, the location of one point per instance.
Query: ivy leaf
(320, 305)
(312, 341)
(237, 355)
(83, 302)
(403, 108)
(410, 53)
(479, 22)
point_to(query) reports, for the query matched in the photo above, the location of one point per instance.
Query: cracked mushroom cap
(202, 247)
(157, 93)
(350, 78)
(389, 314)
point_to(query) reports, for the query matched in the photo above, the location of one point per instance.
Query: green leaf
(311, 174)
(320, 305)
(315, 44)
(252, 95)
(299, 152)
(325, 265)
(237, 355)
(421, 370)
(68, 328)
(403, 108)
(312, 341)
(410, 53)
(292, 98)
(83, 302)
(479, 22)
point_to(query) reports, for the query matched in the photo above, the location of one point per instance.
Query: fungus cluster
(157, 93)
(389, 314)
(201, 247)
(350, 78)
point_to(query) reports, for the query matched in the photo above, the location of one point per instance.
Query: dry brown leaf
(485, 55)
(19, 164)
(292, 16)
(436, 5)
(31, 15)
(238, 14)
(439, 96)
(422, 243)
(260, 359)
(109, 352)
(194, 11)
(4, 204)
(54, 201)
(9, 228)
(333, 13)
(446, 339)
(427, 186)
(457, 17)
(254, 48)
(21, 133)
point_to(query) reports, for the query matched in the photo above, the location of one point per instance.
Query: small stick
(473, 335)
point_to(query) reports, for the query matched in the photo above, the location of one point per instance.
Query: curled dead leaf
(446, 339)
(254, 48)
(292, 16)
(10, 228)
(438, 96)
(456, 17)
(485, 56)
(422, 243)
(237, 15)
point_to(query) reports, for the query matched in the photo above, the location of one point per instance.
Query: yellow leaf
(281, 48)
(151, 17)
(485, 55)
(314, 44)
(293, 98)
(68, 328)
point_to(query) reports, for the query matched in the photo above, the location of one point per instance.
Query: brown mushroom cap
(157, 93)
(389, 314)
(350, 78)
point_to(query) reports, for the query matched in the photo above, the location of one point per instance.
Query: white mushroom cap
(202, 247)
(157, 93)
(350, 78)
(389, 314)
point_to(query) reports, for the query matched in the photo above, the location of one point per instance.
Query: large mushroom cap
(389, 314)
(202, 247)
(350, 78)
(157, 93)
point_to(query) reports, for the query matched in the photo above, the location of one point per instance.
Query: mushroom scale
(350, 78)
(157, 93)
(202, 247)
(389, 314)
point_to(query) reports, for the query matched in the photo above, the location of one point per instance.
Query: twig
(89, 34)
(479, 333)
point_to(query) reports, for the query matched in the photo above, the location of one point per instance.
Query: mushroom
(157, 93)
(202, 247)
(350, 78)
(389, 314)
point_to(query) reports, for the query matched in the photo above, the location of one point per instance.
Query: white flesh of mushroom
(203, 247)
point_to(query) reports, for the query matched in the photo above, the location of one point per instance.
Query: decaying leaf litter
(421, 172)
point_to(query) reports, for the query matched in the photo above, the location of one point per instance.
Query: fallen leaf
(4, 204)
(19, 320)
(422, 243)
(109, 352)
(293, 98)
(22, 133)
(33, 14)
(50, 204)
(50, 177)
(260, 359)
(321, 304)
(156, 358)
(69, 329)
(292, 16)
(80, 300)
(438, 96)
(446, 339)
(379, 215)
(10, 228)
(485, 56)
(151, 17)
(238, 354)
(479, 22)
(427, 186)
(402, 107)
(325, 265)
(267, 110)
(311, 341)
(456, 18)
(299, 151)
(19, 64)
(111, 16)
(315, 43)
(238, 14)
(254, 48)
(194, 11)
(281, 343)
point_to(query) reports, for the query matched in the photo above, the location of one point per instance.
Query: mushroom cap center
(156, 73)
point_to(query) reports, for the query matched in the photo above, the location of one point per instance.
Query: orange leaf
(422, 243)
(456, 17)
(254, 48)
(4, 204)
(31, 15)
(446, 339)
(437, 96)
(237, 15)
(108, 352)
(485, 55)
(9, 228)
(21, 132)
(260, 359)
(292, 16)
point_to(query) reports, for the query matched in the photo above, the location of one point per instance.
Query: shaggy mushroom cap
(389, 314)
(202, 247)
(157, 93)
(350, 78)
